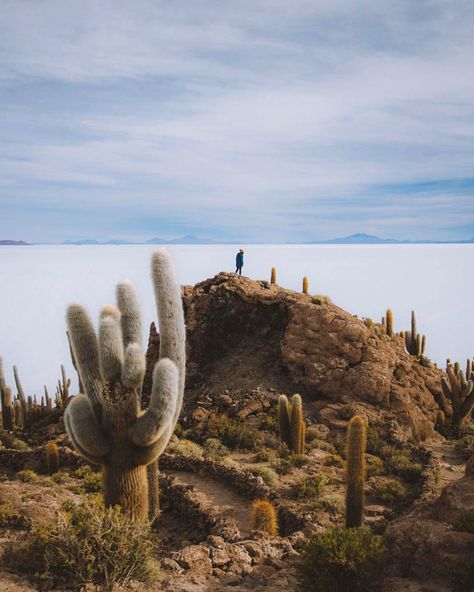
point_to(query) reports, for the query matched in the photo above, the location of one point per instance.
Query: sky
(248, 120)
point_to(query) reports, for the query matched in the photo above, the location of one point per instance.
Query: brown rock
(195, 558)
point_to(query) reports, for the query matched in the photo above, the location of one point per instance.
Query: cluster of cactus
(106, 424)
(291, 423)
(356, 444)
(414, 342)
(62, 388)
(457, 396)
(264, 517)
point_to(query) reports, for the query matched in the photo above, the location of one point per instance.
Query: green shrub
(264, 455)
(374, 441)
(465, 522)
(320, 299)
(10, 517)
(333, 503)
(311, 487)
(267, 474)
(299, 460)
(342, 560)
(283, 466)
(334, 460)
(232, 433)
(375, 466)
(214, 449)
(323, 445)
(60, 477)
(390, 491)
(347, 411)
(269, 423)
(11, 441)
(88, 544)
(400, 462)
(186, 448)
(91, 480)
(27, 476)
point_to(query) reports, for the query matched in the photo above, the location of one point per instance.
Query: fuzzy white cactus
(106, 424)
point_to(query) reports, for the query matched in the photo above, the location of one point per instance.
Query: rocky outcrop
(428, 542)
(271, 338)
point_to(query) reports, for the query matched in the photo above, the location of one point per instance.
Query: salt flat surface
(38, 282)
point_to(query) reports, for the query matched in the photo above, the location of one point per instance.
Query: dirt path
(452, 461)
(213, 493)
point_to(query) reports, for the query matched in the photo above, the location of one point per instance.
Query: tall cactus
(26, 405)
(414, 342)
(273, 278)
(291, 423)
(7, 409)
(356, 443)
(457, 398)
(305, 285)
(389, 322)
(106, 424)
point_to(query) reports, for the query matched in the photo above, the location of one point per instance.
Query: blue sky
(258, 120)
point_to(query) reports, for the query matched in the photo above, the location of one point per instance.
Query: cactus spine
(52, 457)
(356, 443)
(457, 397)
(106, 424)
(264, 517)
(414, 342)
(273, 279)
(389, 322)
(292, 429)
(305, 285)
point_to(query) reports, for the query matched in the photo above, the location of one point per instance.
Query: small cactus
(273, 279)
(264, 517)
(356, 443)
(52, 457)
(389, 322)
(414, 342)
(305, 285)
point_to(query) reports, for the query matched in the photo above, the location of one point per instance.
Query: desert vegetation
(304, 469)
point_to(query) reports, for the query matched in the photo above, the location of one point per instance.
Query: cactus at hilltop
(25, 406)
(305, 285)
(264, 517)
(389, 322)
(356, 443)
(106, 424)
(414, 342)
(457, 397)
(52, 457)
(273, 279)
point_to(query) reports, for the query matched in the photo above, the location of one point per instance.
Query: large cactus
(389, 322)
(457, 398)
(414, 342)
(356, 444)
(106, 424)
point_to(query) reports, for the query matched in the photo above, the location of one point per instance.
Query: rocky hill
(248, 343)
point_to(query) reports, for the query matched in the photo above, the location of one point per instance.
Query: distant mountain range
(354, 239)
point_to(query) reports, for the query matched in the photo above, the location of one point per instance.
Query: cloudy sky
(250, 120)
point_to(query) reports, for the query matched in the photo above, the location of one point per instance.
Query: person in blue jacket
(239, 262)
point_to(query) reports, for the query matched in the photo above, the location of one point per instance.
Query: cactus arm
(21, 395)
(110, 349)
(284, 420)
(150, 426)
(148, 454)
(454, 387)
(468, 402)
(85, 349)
(84, 431)
(134, 367)
(127, 302)
(170, 318)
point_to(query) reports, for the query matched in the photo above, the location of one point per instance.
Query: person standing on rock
(239, 262)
